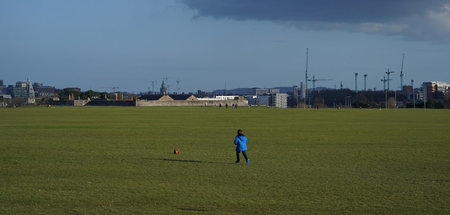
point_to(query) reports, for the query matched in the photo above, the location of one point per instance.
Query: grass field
(119, 160)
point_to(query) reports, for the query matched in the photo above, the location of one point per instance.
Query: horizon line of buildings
(434, 90)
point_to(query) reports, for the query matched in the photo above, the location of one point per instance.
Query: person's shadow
(185, 161)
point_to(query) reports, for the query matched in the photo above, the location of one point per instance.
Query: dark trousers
(243, 152)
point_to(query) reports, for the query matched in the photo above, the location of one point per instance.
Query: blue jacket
(241, 143)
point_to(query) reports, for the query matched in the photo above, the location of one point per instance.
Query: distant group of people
(226, 105)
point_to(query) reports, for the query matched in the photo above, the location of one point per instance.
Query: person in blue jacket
(241, 146)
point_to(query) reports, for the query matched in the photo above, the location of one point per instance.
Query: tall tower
(356, 82)
(163, 89)
(365, 77)
(413, 94)
(295, 95)
(401, 73)
(302, 90)
(30, 93)
(306, 74)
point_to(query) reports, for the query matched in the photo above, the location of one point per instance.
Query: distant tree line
(67, 93)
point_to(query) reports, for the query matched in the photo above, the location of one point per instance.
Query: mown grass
(118, 160)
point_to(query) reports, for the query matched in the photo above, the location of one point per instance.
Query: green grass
(118, 160)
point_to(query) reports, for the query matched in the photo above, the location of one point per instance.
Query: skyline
(130, 44)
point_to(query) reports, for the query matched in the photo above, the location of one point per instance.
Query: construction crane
(114, 90)
(401, 73)
(178, 86)
(314, 80)
(306, 76)
(413, 95)
(388, 79)
(384, 80)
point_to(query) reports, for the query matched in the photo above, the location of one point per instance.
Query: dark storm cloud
(424, 19)
(313, 10)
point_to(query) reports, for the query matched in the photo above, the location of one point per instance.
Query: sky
(213, 44)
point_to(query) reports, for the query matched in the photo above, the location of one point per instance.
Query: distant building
(4, 100)
(427, 91)
(274, 91)
(259, 91)
(5, 96)
(262, 100)
(43, 91)
(36, 84)
(279, 100)
(408, 91)
(25, 91)
(302, 90)
(2, 87)
(174, 97)
(251, 99)
(7, 89)
(434, 90)
(439, 86)
(152, 97)
(263, 91)
(201, 93)
(188, 100)
(185, 97)
(295, 95)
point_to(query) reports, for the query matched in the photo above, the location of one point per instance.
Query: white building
(219, 98)
(25, 91)
(279, 100)
(440, 86)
